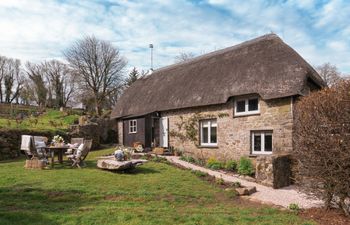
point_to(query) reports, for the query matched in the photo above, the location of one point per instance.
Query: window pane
(204, 135)
(268, 142)
(253, 104)
(213, 123)
(257, 142)
(213, 135)
(240, 106)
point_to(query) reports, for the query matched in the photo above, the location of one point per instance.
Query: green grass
(154, 193)
(51, 120)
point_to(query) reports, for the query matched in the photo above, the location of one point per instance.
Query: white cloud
(40, 29)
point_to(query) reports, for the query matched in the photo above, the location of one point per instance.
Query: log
(114, 165)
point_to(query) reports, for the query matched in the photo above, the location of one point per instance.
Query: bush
(231, 165)
(322, 144)
(245, 166)
(294, 207)
(214, 164)
(189, 159)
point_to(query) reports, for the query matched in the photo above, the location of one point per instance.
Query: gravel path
(280, 197)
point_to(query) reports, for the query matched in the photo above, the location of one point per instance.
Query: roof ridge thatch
(264, 65)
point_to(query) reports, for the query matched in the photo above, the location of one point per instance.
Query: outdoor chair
(80, 154)
(74, 144)
(40, 145)
(28, 146)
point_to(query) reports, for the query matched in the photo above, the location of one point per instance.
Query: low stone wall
(274, 170)
(10, 140)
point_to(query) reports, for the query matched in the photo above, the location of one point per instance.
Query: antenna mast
(151, 47)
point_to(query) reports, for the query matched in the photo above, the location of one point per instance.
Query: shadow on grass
(22, 204)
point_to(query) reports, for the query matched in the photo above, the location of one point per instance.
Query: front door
(164, 142)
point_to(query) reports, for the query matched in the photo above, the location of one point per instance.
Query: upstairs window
(132, 126)
(208, 132)
(261, 142)
(246, 106)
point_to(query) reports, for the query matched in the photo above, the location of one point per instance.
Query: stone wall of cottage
(120, 131)
(234, 133)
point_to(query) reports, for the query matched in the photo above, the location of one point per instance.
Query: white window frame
(262, 144)
(209, 144)
(132, 126)
(246, 111)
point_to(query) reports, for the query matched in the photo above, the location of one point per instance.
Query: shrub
(322, 144)
(189, 159)
(214, 164)
(245, 166)
(294, 207)
(231, 165)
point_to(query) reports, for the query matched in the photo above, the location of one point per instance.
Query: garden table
(59, 150)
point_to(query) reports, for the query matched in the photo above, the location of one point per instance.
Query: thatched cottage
(234, 102)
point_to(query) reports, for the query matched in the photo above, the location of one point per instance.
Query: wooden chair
(77, 140)
(80, 154)
(28, 146)
(74, 141)
(41, 147)
(41, 138)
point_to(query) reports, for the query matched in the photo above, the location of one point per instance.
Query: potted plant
(58, 140)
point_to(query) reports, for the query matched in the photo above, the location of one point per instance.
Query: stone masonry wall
(234, 133)
(120, 131)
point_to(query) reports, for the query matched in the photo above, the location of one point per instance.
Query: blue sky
(36, 30)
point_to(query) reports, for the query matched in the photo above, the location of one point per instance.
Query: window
(132, 126)
(208, 132)
(247, 106)
(262, 142)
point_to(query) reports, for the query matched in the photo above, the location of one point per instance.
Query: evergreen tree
(133, 76)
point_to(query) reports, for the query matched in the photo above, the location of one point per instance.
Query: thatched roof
(265, 65)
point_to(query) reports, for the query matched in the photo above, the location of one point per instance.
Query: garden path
(280, 197)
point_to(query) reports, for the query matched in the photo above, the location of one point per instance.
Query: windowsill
(254, 155)
(208, 146)
(132, 132)
(246, 114)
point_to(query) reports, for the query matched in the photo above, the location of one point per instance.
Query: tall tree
(99, 65)
(329, 73)
(13, 79)
(36, 73)
(3, 61)
(56, 72)
(133, 76)
(183, 56)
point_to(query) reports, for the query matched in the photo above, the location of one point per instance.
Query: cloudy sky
(36, 30)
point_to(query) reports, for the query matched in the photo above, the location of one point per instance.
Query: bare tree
(329, 73)
(3, 60)
(99, 66)
(183, 56)
(57, 75)
(36, 73)
(13, 80)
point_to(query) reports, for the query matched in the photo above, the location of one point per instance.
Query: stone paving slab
(280, 197)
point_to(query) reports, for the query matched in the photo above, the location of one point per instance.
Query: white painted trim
(209, 144)
(262, 144)
(246, 111)
(132, 127)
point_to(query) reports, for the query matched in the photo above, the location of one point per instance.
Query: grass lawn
(50, 120)
(154, 193)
